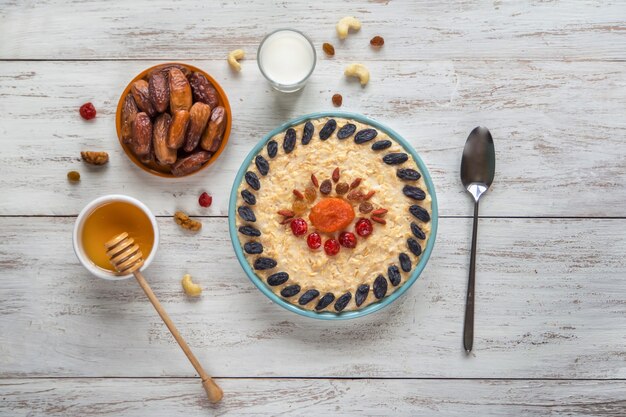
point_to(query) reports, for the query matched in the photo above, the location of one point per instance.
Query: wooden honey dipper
(126, 257)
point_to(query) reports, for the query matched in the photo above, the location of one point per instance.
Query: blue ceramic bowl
(234, 235)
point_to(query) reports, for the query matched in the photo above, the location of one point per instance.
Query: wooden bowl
(155, 169)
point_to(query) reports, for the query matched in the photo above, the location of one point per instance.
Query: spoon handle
(468, 330)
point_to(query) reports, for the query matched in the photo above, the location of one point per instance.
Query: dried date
(159, 91)
(203, 91)
(141, 139)
(163, 153)
(212, 136)
(190, 164)
(178, 128)
(129, 112)
(141, 93)
(180, 91)
(198, 119)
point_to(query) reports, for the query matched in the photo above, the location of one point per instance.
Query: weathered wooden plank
(560, 145)
(551, 302)
(305, 397)
(55, 29)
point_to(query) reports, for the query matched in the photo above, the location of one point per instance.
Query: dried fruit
(262, 263)
(299, 206)
(205, 200)
(331, 247)
(95, 158)
(328, 49)
(87, 111)
(286, 213)
(253, 180)
(246, 213)
(363, 227)
(178, 128)
(325, 301)
(129, 112)
(141, 93)
(414, 246)
(405, 262)
(279, 278)
(253, 248)
(310, 193)
(380, 145)
(308, 296)
(185, 222)
(190, 164)
(326, 187)
(417, 231)
(328, 129)
(380, 287)
(335, 175)
(165, 69)
(395, 158)
(180, 91)
(141, 139)
(248, 197)
(365, 135)
(212, 136)
(365, 207)
(342, 188)
(272, 148)
(346, 131)
(413, 192)
(356, 183)
(361, 294)
(289, 143)
(164, 154)
(394, 275)
(331, 215)
(290, 291)
(408, 174)
(307, 133)
(202, 90)
(73, 176)
(369, 195)
(377, 41)
(159, 91)
(249, 231)
(379, 212)
(420, 213)
(355, 195)
(337, 100)
(342, 301)
(298, 194)
(314, 240)
(315, 181)
(198, 119)
(378, 220)
(347, 239)
(262, 165)
(299, 227)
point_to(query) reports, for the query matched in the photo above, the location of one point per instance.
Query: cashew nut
(234, 57)
(346, 24)
(191, 289)
(358, 70)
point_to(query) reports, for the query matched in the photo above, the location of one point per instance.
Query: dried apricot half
(331, 215)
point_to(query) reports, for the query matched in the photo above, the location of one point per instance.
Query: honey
(109, 220)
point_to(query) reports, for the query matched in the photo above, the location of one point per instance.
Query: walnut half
(95, 158)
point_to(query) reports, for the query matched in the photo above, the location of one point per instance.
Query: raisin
(249, 231)
(417, 231)
(414, 246)
(342, 188)
(307, 133)
(253, 248)
(365, 207)
(299, 206)
(394, 275)
(253, 180)
(395, 158)
(248, 197)
(73, 176)
(380, 287)
(262, 263)
(337, 100)
(361, 294)
(308, 296)
(420, 213)
(328, 49)
(262, 165)
(355, 195)
(365, 135)
(405, 262)
(290, 140)
(414, 192)
(272, 148)
(408, 174)
(290, 291)
(377, 41)
(346, 131)
(310, 193)
(326, 187)
(246, 213)
(343, 301)
(381, 144)
(328, 129)
(325, 301)
(278, 278)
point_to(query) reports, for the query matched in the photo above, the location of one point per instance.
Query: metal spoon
(478, 166)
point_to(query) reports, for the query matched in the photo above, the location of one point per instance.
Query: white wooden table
(548, 79)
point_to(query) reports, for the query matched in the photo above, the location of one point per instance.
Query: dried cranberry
(347, 239)
(363, 227)
(87, 111)
(299, 226)
(331, 247)
(205, 200)
(314, 240)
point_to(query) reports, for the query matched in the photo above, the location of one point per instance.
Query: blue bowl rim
(258, 282)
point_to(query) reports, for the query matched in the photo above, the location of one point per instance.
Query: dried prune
(342, 301)
(159, 90)
(420, 213)
(180, 91)
(413, 192)
(249, 231)
(307, 133)
(141, 93)
(246, 213)
(290, 291)
(262, 165)
(405, 262)
(346, 131)
(395, 158)
(380, 287)
(326, 187)
(380, 145)
(361, 294)
(417, 231)
(325, 301)
(414, 246)
(408, 174)
(272, 148)
(289, 143)
(308, 296)
(198, 119)
(394, 275)
(190, 163)
(328, 129)
(202, 90)
(278, 278)
(253, 180)
(253, 248)
(164, 154)
(365, 135)
(263, 263)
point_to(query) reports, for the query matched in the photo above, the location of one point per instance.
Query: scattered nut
(358, 70)
(346, 24)
(328, 49)
(185, 222)
(191, 289)
(234, 57)
(377, 41)
(337, 100)
(73, 176)
(95, 158)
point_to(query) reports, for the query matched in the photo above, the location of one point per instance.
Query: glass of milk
(286, 57)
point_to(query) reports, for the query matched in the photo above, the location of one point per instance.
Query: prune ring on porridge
(333, 215)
